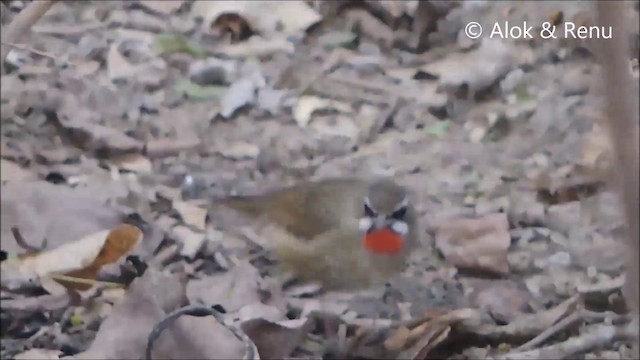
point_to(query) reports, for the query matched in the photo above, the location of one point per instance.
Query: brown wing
(305, 210)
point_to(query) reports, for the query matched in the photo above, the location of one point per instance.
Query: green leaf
(197, 92)
(439, 129)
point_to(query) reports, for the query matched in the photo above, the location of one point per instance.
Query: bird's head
(384, 218)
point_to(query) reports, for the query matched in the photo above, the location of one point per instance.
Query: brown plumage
(326, 223)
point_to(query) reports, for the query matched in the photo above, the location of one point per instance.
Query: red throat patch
(383, 241)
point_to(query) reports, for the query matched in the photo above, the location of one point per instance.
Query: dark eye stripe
(399, 214)
(368, 211)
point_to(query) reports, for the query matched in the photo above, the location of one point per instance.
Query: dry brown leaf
(124, 334)
(82, 258)
(120, 242)
(275, 341)
(479, 244)
(233, 290)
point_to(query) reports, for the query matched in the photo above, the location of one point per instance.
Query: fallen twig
(596, 336)
(567, 322)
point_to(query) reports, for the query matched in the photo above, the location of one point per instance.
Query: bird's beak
(379, 223)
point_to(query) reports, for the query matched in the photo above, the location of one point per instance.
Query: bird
(343, 233)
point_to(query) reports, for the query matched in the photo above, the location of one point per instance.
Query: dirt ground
(121, 121)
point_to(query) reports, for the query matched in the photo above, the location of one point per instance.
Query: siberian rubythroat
(341, 232)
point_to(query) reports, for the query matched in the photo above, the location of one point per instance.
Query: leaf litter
(112, 153)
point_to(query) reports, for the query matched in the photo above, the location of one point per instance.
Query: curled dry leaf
(81, 259)
(479, 244)
(119, 242)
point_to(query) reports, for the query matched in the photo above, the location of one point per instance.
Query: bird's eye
(399, 214)
(368, 212)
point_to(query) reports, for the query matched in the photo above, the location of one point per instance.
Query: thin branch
(597, 336)
(551, 331)
(567, 322)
